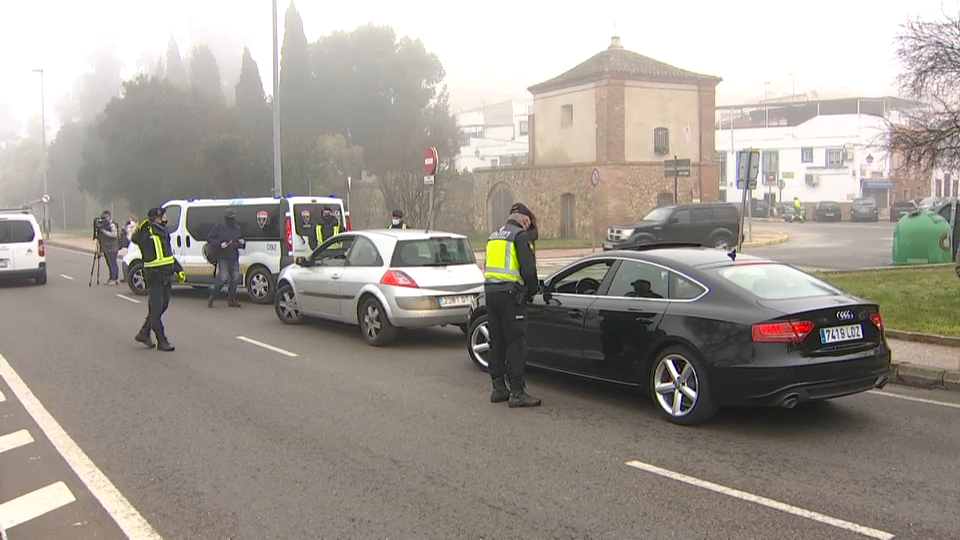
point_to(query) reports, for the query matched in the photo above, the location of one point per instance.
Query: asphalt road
(226, 439)
(841, 245)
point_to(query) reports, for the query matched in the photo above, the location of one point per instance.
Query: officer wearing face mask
(327, 227)
(397, 221)
(160, 268)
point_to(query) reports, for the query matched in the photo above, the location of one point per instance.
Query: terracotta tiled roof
(621, 63)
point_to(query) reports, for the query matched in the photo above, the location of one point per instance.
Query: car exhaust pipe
(790, 401)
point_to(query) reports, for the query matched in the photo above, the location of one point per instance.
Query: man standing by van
(327, 227)
(159, 270)
(228, 237)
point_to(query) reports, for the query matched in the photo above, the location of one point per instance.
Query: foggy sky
(491, 50)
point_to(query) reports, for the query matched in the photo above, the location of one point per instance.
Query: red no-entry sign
(430, 161)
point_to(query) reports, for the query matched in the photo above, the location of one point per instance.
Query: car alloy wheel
(376, 327)
(286, 306)
(680, 388)
(259, 287)
(135, 280)
(721, 243)
(479, 343)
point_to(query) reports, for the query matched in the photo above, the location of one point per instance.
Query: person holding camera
(229, 238)
(106, 234)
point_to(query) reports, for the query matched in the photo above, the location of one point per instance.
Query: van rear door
(19, 245)
(306, 214)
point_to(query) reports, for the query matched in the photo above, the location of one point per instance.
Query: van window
(432, 252)
(257, 222)
(173, 216)
(16, 232)
(306, 215)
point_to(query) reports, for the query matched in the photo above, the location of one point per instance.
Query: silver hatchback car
(383, 280)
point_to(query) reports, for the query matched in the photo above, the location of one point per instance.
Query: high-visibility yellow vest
(501, 264)
(160, 259)
(320, 238)
(400, 226)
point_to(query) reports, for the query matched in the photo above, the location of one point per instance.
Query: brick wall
(610, 121)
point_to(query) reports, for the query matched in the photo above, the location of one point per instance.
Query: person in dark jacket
(510, 281)
(109, 238)
(229, 238)
(159, 269)
(328, 226)
(396, 221)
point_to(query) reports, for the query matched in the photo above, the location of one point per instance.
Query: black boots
(518, 395)
(144, 337)
(500, 391)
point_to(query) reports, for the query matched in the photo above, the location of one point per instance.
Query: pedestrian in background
(229, 238)
(108, 235)
(328, 226)
(396, 221)
(510, 272)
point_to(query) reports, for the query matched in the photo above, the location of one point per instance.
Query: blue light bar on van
(289, 195)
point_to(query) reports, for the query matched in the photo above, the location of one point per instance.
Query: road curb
(54, 243)
(784, 238)
(875, 268)
(925, 377)
(933, 339)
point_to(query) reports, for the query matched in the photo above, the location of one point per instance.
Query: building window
(566, 115)
(771, 161)
(806, 155)
(661, 141)
(665, 199)
(834, 157)
(722, 163)
(494, 162)
(906, 194)
(525, 127)
(939, 192)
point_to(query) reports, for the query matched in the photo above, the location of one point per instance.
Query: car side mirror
(303, 261)
(545, 290)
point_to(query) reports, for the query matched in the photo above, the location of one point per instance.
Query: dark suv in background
(901, 208)
(864, 209)
(710, 224)
(827, 211)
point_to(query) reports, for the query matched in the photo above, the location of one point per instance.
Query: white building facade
(822, 150)
(494, 135)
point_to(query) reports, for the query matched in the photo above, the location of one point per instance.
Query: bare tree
(928, 136)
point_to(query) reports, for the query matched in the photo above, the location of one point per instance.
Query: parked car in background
(827, 211)
(901, 208)
(864, 209)
(383, 280)
(22, 255)
(710, 224)
(697, 330)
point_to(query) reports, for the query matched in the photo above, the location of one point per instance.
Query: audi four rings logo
(845, 315)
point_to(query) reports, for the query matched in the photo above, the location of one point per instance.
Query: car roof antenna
(732, 254)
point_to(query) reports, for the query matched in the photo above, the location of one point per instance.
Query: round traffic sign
(430, 159)
(595, 177)
(45, 198)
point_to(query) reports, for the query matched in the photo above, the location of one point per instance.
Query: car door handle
(334, 276)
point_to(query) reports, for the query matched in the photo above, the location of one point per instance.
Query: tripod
(97, 253)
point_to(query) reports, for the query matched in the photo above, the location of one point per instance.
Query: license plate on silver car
(836, 334)
(455, 301)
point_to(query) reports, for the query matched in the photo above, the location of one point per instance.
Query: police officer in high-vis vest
(510, 282)
(396, 221)
(328, 226)
(159, 269)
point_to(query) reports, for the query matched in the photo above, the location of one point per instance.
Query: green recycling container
(922, 237)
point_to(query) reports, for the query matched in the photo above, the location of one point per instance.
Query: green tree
(251, 102)
(64, 160)
(296, 80)
(174, 67)
(205, 73)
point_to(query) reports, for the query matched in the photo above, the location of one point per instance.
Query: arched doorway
(568, 224)
(499, 203)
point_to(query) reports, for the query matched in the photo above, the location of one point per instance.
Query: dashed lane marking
(64, 276)
(268, 347)
(34, 504)
(123, 513)
(916, 399)
(15, 440)
(127, 298)
(762, 501)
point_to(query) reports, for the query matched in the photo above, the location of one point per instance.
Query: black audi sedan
(698, 328)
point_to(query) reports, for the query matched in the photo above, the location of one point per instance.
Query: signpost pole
(676, 183)
(594, 181)
(430, 162)
(748, 168)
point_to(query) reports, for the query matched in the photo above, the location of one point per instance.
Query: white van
(277, 231)
(22, 255)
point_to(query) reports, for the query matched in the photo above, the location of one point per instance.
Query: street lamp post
(277, 189)
(43, 141)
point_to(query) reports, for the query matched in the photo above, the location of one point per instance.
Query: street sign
(676, 173)
(595, 177)
(45, 198)
(428, 180)
(676, 163)
(748, 168)
(430, 159)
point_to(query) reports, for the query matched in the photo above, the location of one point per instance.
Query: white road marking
(127, 298)
(34, 504)
(918, 400)
(124, 514)
(763, 501)
(267, 346)
(64, 276)
(2, 397)
(15, 440)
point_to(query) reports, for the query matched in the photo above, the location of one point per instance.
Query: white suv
(22, 255)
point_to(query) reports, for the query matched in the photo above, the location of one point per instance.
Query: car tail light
(877, 320)
(398, 279)
(289, 235)
(41, 250)
(782, 332)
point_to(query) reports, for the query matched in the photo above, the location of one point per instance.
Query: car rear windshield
(829, 205)
(16, 232)
(433, 252)
(864, 202)
(775, 281)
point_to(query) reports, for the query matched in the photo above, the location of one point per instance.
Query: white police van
(277, 231)
(22, 255)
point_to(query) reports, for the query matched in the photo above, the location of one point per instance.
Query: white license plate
(4, 263)
(608, 245)
(455, 301)
(836, 334)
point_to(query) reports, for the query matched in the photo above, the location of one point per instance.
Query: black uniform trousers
(158, 282)
(507, 324)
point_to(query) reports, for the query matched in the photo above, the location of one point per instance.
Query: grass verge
(913, 300)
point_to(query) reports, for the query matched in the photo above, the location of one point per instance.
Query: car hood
(640, 225)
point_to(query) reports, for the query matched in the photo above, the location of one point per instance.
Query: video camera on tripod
(100, 225)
